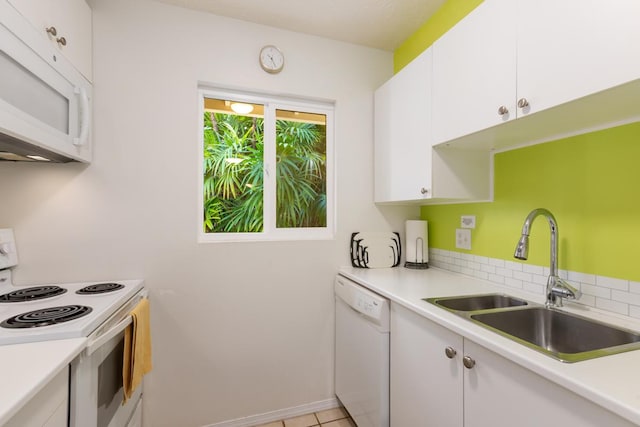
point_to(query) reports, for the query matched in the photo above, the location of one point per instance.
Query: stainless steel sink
(477, 302)
(566, 337)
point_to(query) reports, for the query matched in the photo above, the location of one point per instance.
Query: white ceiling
(381, 24)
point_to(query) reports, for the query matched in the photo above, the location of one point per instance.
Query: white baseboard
(280, 414)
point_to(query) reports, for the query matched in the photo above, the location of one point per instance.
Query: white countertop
(27, 368)
(612, 382)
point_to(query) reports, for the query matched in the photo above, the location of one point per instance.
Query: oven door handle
(95, 344)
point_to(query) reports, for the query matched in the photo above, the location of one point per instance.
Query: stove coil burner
(100, 288)
(46, 317)
(32, 294)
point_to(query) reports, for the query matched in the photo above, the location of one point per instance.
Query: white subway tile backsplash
(515, 266)
(610, 282)
(474, 265)
(585, 299)
(488, 268)
(481, 275)
(525, 277)
(496, 262)
(481, 259)
(533, 287)
(460, 262)
(533, 269)
(504, 272)
(539, 279)
(606, 293)
(467, 257)
(445, 259)
(595, 291)
(589, 279)
(627, 297)
(615, 306)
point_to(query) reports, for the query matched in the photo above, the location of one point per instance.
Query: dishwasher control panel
(362, 300)
(367, 305)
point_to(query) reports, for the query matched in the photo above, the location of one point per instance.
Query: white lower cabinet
(48, 408)
(430, 386)
(426, 386)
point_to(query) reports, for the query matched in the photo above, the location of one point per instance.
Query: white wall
(238, 329)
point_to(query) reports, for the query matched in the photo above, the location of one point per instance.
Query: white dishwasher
(362, 353)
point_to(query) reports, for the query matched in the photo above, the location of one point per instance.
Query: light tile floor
(336, 417)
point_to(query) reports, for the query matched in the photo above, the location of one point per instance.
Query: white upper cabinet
(403, 133)
(66, 23)
(572, 48)
(407, 168)
(509, 59)
(474, 72)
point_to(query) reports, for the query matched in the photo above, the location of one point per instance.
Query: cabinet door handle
(450, 352)
(502, 110)
(522, 103)
(424, 190)
(52, 30)
(468, 362)
(61, 41)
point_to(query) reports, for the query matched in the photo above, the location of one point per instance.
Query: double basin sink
(563, 336)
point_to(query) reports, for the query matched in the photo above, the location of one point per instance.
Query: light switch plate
(463, 238)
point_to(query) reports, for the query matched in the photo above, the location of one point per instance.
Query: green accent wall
(440, 22)
(590, 182)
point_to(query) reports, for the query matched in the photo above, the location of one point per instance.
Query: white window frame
(271, 104)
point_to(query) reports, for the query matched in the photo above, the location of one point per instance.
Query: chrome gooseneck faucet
(557, 288)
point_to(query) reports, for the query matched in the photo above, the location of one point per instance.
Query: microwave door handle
(85, 117)
(103, 338)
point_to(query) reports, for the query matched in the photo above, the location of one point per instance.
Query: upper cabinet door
(403, 134)
(71, 20)
(572, 48)
(474, 72)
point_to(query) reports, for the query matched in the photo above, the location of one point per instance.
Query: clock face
(271, 59)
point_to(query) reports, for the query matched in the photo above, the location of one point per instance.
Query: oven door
(96, 390)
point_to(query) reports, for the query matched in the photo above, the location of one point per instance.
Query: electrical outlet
(463, 238)
(468, 221)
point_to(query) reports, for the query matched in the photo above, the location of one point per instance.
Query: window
(266, 168)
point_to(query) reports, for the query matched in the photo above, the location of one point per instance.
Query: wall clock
(271, 59)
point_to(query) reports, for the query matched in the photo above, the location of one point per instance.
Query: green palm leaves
(234, 174)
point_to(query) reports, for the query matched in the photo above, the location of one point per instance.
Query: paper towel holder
(423, 265)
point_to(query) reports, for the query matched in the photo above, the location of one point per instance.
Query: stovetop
(82, 306)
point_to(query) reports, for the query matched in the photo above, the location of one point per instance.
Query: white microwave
(45, 103)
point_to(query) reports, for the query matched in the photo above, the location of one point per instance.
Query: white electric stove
(54, 311)
(99, 311)
(59, 311)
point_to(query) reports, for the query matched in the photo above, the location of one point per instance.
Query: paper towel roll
(417, 241)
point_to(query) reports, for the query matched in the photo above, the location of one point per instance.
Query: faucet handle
(562, 289)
